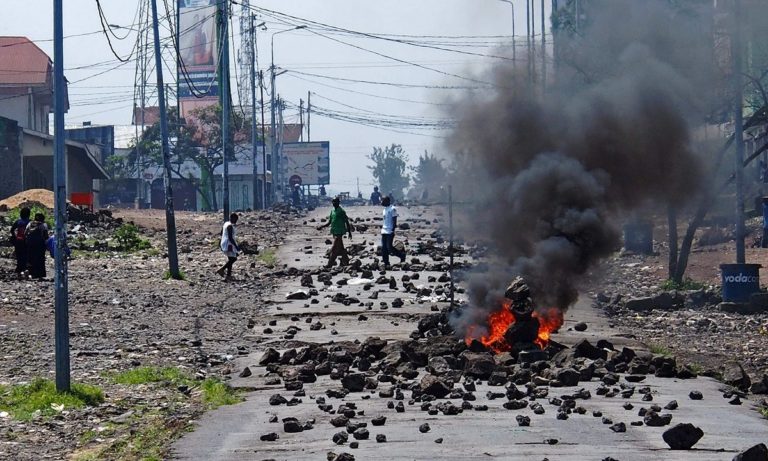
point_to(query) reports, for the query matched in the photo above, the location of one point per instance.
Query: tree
(389, 169)
(196, 141)
(429, 174)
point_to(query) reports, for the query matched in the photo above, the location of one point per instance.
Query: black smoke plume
(555, 171)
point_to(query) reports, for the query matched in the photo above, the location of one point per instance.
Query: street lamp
(273, 133)
(514, 47)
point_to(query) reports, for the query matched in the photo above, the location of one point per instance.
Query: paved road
(232, 433)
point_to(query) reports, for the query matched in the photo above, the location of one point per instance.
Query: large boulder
(682, 436)
(734, 375)
(757, 453)
(478, 365)
(434, 386)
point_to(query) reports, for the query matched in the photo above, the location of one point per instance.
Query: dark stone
(682, 436)
(585, 349)
(269, 356)
(760, 387)
(654, 419)
(478, 365)
(291, 425)
(619, 427)
(381, 438)
(344, 457)
(696, 395)
(635, 378)
(361, 434)
(581, 326)
(757, 453)
(271, 437)
(379, 421)
(424, 428)
(640, 304)
(339, 421)
(734, 375)
(523, 421)
(299, 294)
(354, 382)
(671, 405)
(277, 399)
(435, 386)
(568, 377)
(340, 438)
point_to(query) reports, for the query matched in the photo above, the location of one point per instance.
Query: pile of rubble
(437, 373)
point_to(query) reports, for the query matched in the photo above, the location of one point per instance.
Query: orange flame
(499, 321)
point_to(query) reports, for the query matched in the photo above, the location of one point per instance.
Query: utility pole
(543, 50)
(272, 129)
(309, 111)
(301, 118)
(61, 300)
(224, 72)
(450, 240)
(263, 143)
(738, 121)
(529, 58)
(254, 148)
(170, 218)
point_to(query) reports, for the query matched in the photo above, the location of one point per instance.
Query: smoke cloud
(555, 173)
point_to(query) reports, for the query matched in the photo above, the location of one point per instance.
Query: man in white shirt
(388, 232)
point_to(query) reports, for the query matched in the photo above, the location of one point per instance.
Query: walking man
(18, 229)
(35, 236)
(339, 223)
(229, 246)
(388, 233)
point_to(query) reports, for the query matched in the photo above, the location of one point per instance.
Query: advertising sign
(308, 161)
(198, 56)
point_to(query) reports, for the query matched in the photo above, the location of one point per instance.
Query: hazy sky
(106, 94)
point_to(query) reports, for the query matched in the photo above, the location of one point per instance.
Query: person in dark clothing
(764, 240)
(340, 225)
(296, 196)
(229, 245)
(376, 196)
(323, 193)
(36, 235)
(18, 229)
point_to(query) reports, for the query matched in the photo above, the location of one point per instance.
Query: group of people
(339, 223)
(340, 226)
(31, 238)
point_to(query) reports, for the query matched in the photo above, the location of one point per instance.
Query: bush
(128, 238)
(15, 214)
(687, 284)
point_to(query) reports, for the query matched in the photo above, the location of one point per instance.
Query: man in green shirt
(339, 223)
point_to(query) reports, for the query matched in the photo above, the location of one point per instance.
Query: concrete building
(26, 148)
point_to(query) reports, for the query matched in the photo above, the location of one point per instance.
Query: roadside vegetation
(40, 398)
(149, 430)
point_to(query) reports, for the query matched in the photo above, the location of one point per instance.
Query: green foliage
(15, 214)
(145, 375)
(268, 257)
(687, 284)
(429, 174)
(217, 393)
(389, 169)
(168, 276)
(764, 412)
(128, 238)
(25, 401)
(660, 349)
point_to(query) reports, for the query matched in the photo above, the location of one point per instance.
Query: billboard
(306, 162)
(197, 78)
